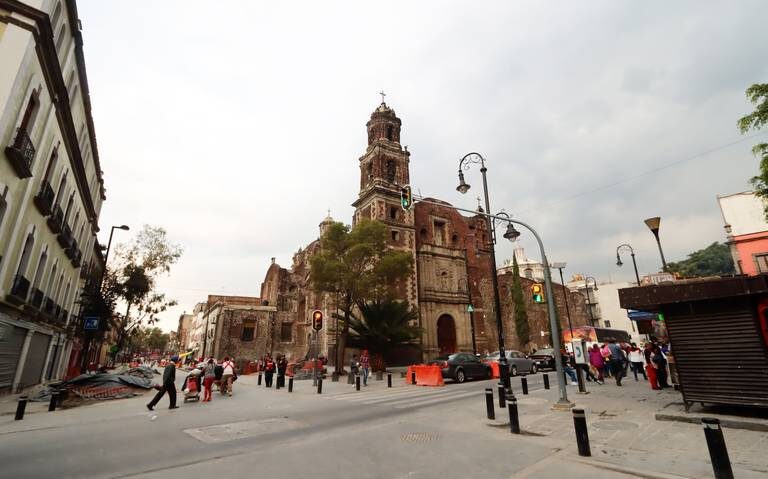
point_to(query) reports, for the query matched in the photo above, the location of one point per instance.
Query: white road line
(361, 396)
(427, 402)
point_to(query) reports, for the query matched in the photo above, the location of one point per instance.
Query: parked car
(462, 366)
(545, 358)
(518, 362)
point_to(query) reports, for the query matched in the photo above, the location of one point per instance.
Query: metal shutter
(33, 367)
(11, 342)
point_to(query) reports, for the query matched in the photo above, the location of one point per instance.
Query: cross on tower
(382, 95)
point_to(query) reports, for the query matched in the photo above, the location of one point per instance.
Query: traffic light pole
(563, 403)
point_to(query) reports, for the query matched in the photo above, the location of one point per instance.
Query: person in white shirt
(637, 361)
(227, 376)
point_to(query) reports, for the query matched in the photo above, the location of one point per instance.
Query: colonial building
(51, 189)
(451, 271)
(184, 332)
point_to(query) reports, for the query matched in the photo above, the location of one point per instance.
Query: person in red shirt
(365, 366)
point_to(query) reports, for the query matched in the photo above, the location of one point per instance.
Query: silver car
(518, 362)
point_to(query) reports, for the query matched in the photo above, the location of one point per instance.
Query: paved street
(377, 432)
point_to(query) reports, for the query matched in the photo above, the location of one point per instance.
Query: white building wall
(743, 212)
(613, 315)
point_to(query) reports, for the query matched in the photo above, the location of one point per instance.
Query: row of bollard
(21, 406)
(352, 379)
(713, 433)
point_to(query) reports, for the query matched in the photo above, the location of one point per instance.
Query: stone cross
(382, 95)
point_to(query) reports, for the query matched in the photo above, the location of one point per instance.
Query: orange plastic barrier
(425, 375)
(494, 369)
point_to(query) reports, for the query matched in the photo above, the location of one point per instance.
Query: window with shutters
(249, 330)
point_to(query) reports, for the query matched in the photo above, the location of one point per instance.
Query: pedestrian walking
(354, 365)
(567, 369)
(168, 386)
(365, 366)
(269, 371)
(659, 360)
(282, 366)
(606, 352)
(637, 361)
(227, 376)
(617, 360)
(596, 362)
(209, 378)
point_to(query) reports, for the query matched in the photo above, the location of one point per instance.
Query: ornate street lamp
(634, 263)
(653, 225)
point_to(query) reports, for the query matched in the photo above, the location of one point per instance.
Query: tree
(522, 328)
(136, 269)
(357, 267)
(382, 326)
(714, 260)
(758, 96)
(149, 339)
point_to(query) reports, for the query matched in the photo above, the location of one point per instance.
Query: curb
(729, 423)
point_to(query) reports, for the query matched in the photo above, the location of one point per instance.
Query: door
(446, 334)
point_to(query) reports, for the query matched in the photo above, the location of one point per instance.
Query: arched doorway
(446, 334)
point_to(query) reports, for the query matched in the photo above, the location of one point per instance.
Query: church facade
(451, 265)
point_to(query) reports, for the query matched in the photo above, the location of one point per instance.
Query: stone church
(451, 270)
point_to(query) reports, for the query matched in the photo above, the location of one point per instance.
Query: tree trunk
(341, 345)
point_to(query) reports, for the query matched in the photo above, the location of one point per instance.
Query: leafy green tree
(714, 260)
(136, 269)
(522, 327)
(356, 266)
(758, 96)
(382, 325)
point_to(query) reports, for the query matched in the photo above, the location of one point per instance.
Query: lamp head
(123, 227)
(463, 186)
(653, 223)
(618, 260)
(511, 234)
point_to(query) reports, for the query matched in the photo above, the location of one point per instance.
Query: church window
(390, 132)
(286, 332)
(395, 235)
(439, 233)
(391, 169)
(249, 329)
(393, 212)
(528, 273)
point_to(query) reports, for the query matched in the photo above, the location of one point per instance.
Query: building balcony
(36, 298)
(72, 249)
(48, 306)
(56, 313)
(75, 255)
(63, 317)
(19, 290)
(85, 271)
(44, 199)
(65, 237)
(56, 220)
(21, 153)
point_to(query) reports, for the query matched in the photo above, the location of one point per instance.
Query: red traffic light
(317, 320)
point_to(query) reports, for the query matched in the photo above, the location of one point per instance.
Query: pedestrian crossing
(404, 397)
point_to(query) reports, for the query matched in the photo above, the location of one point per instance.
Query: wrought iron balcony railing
(19, 289)
(65, 237)
(21, 153)
(44, 199)
(36, 298)
(56, 219)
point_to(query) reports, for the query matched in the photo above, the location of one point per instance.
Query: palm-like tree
(382, 326)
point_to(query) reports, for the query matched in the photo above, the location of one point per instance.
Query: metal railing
(56, 219)
(20, 287)
(44, 199)
(21, 153)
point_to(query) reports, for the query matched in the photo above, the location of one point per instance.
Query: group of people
(270, 366)
(361, 365)
(614, 360)
(221, 374)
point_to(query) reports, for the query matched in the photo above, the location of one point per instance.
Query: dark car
(544, 358)
(462, 366)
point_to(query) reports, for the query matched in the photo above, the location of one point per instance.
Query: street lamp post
(563, 403)
(465, 163)
(589, 301)
(634, 263)
(109, 244)
(653, 225)
(560, 267)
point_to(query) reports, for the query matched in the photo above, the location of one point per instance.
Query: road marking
(427, 402)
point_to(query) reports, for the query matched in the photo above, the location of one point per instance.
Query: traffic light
(317, 320)
(537, 291)
(406, 197)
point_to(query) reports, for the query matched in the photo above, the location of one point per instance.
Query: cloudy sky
(237, 125)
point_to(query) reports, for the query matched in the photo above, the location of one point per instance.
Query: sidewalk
(625, 435)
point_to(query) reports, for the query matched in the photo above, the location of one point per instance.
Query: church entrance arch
(446, 334)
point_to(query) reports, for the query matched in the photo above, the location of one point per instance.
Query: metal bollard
(319, 385)
(546, 381)
(514, 420)
(21, 407)
(54, 400)
(718, 452)
(524, 384)
(580, 380)
(258, 382)
(277, 383)
(489, 403)
(502, 394)
(582, 436)
(290, 384)
(389, 380)
(357, 382)
(413, 377)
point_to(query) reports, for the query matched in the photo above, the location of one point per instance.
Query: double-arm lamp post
(634, 263)
(512, 234)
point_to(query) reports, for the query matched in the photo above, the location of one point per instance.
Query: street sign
(91, 323)
(579, 352)
(317, 320)
(470, 309)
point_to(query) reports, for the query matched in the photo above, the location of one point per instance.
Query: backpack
(218, 371)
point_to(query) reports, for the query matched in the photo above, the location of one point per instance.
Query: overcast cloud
(236, 125)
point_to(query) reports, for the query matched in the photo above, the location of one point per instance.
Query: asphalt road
(406, 431)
